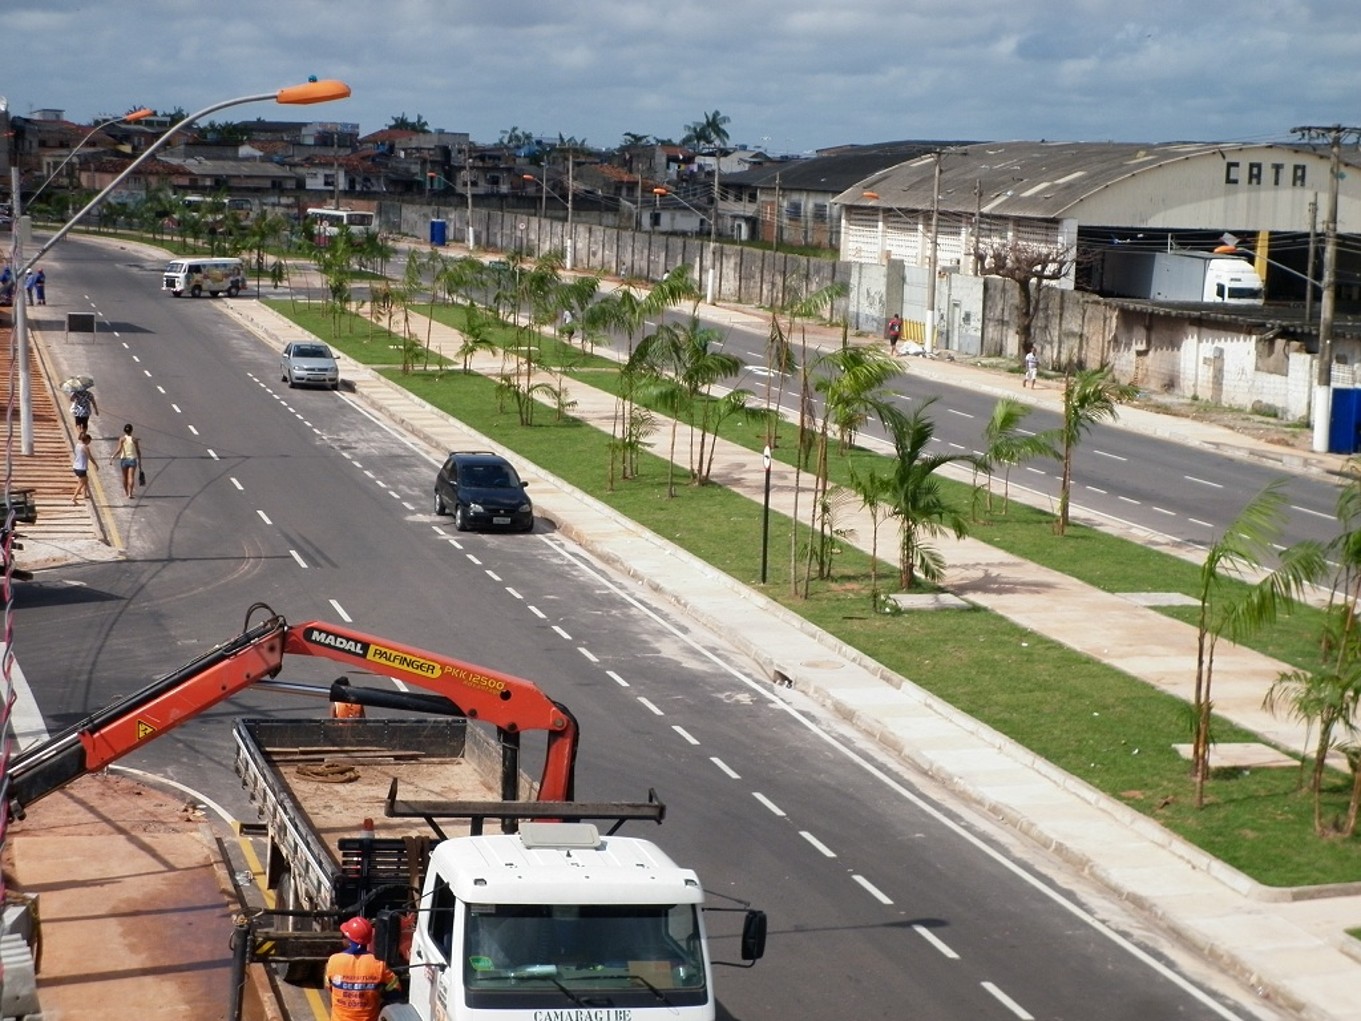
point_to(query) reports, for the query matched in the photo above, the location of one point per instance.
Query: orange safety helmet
(357, 930)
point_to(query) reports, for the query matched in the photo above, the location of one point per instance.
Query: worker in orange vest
(359, 983)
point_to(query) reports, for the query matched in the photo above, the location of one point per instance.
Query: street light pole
(468, 188)
(570, 163)
(136, 115)
(307, 93)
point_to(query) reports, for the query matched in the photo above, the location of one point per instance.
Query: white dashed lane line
(650, 706)
(1008, 1002)
(514, 594)
(235, 483)
(821, 848)
(340, 611)
(774, 808)
(587, 653)
(1203, 482)
(298, 557)
(616, 679)
(538, 613)
(1113, 457)
(685, 735)
(935, 941)
(874, 891)
(728, 771)
(264, 517)
(1317, 514)
(561, 633)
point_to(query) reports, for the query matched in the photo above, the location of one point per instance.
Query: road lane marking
(776, 809)
(561, 633)
(728, 771)
(340, 612)
(175, 408)
(493, 575)
(213, 454)
(1093, 489)
(1127, 499)
(538, 613)
(689, 738)
(822, 848)
(1317, 514)
(1008, 1002)
(961, 414)
(298, 557)
(238, 485)
(1197, 521)
(650, 706)
(874, 891)
(1203, 482)
(616, 679)
(474, 560)
(514, 594)
(193, 430)
(935, 941)
(587, 653)
(1164, 510)
(264, 517)
(1113, 457)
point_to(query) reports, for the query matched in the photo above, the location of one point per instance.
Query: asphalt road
(885, 900)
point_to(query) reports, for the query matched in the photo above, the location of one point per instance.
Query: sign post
(765, 514)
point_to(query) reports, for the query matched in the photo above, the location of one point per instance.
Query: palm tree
(683, 363)
(916, 498)
(627, 310)
(1226, 609)
(710, 131)
(1089, 396)
(873, 489)
(1008, 445)
(852, 383)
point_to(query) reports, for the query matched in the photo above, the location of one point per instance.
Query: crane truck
(555, 916)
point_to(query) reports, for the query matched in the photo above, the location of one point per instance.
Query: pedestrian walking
(83, 405)
(358, 982)
(81, 463)
(894, 332)
(128, 454)
(1032, 367)
(40, 285)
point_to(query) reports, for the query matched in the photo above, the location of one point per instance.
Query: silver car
(309, 363)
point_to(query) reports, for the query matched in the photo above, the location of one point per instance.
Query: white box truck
(1201, 277)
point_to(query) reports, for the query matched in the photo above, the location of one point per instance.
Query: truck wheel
(233, 291)
(196, 291)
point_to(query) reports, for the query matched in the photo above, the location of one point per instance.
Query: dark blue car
(481, 490)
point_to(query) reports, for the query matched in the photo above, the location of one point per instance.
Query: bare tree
(1030, 266)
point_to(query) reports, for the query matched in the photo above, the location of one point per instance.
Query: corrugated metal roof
(1029, 179)
(836, 171)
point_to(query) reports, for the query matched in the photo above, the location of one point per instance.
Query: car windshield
(311, 351)
(487, 476)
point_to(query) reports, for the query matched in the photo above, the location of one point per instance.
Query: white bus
(327, 223)
(198, 275)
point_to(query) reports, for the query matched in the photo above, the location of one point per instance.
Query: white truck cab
(557, 921)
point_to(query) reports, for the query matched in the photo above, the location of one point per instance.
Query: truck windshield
(1244, 293)
(625, 955)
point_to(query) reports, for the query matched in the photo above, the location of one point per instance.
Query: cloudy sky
(792, 75)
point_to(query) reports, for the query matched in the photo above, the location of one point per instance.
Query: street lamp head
(313, 92)
(529, 177)
(660, 191)
(137, 115)
(871, 195)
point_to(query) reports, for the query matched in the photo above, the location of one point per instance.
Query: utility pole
(570, 164)
(931, 260)
(776, 225)
(1309, 270)
(468, 187)
(1323, 395)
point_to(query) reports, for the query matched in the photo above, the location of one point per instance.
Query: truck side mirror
(387, 938)
(754, 936)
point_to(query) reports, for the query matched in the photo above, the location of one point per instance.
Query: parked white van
(199, 275)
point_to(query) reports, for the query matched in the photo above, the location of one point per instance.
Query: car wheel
(440, 509)
(460, 518)
(529, 526)
(233, 291)
(292, 383)
(196, 291)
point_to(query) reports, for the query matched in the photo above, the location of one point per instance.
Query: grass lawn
(1094, 721)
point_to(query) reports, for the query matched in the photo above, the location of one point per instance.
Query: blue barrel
(439, 233)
